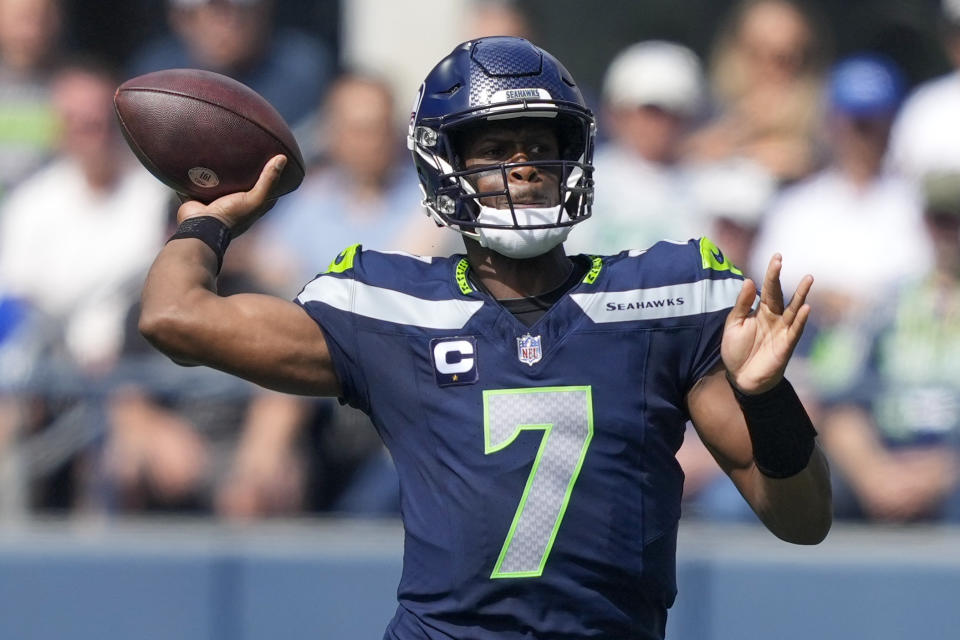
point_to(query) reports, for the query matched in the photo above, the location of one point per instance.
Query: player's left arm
(760, 434)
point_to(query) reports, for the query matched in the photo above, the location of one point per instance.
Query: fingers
(799, 298)
(771, 295)
(268, 177)
(795, 329)
(743, 305)
(796, 314)
(239, 210)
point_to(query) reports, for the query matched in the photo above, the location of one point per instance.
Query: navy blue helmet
(492, 79)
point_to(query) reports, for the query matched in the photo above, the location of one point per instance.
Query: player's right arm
(264, 339)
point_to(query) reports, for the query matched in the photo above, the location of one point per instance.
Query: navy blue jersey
(540, 492)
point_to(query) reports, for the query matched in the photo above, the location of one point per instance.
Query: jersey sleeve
(720, 283)
(328, 300)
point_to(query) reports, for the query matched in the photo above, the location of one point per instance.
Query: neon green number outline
(547, 428)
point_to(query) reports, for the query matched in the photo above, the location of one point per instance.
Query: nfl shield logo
(528, 349)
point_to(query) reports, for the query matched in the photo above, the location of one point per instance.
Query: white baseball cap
(737, 189)
(655, 73)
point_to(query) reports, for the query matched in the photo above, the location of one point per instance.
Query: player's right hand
(239, 210)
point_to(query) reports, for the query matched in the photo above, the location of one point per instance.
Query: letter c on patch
(460, 363)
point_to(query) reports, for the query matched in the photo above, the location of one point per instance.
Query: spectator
(197, 441)
(832, 224)
(894, 435)
(495, 18)
(75, 241)
(237, 38)
(75, 238)
(360, 191)
(925, 136)
(734, 196)
(29, 35)
(652, 92)
(765, 75)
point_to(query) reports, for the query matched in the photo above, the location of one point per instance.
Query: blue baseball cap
(866, 85)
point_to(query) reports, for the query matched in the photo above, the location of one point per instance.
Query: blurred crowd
(769, 143)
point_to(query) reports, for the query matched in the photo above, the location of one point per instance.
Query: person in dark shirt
(532, 401)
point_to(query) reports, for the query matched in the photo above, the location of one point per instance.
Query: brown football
(203, 134)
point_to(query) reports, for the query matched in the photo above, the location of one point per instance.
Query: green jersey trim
(462, 282)
(344, 259)
(712, 258)
(594, 273)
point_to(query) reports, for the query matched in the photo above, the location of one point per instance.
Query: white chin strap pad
(522, 242)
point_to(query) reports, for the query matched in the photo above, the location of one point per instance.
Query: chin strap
(521, 242)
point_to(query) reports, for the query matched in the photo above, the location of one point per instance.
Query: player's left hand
(758, 344)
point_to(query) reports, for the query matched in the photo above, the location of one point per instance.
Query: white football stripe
(406, 254)
(672, 301)
(378, 303)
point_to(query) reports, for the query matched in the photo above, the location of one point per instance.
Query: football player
(532, 402)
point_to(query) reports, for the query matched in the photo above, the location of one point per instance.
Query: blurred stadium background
(140, 500)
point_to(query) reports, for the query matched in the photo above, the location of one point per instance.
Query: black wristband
(208, 229)
(780, 429)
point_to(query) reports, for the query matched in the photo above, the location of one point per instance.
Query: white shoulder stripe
(673, 301)
(406, 254)
(388, 305)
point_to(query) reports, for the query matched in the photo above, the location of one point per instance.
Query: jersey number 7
(565, 415)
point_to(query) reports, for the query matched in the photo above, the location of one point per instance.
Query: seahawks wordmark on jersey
(539, 485)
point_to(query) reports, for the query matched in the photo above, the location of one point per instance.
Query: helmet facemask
(456, 202)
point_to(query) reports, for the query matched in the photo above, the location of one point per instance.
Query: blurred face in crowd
(952, 44)
(360, 129)
(651, 131)
(225, 35)
(28, 32)
(774, 39)
(83, 103)
(495, 19)
(860, 142)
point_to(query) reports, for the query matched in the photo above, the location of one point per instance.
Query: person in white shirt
(76, 237)
(652, 93)
(855, 226)
(75, 242)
